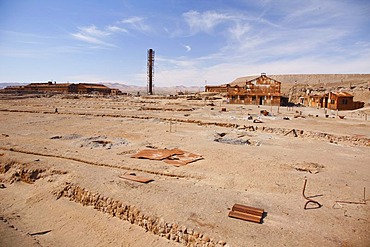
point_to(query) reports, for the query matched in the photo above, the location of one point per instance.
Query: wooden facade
(217, 89)
(333, 101)
(262, 90)
(340, 101)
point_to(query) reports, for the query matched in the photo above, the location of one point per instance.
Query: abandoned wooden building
(262, 90)
(217, 89)
(90, 88)
(64, 88)
(333, 101)
(48, 87)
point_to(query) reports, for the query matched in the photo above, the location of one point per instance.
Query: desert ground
(62, 157)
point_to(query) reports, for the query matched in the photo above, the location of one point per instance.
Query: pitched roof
(342, 94)
(91, 85)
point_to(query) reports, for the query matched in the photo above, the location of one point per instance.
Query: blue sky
(196, 42)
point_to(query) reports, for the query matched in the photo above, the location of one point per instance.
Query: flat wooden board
(247, 209)
(245, 216)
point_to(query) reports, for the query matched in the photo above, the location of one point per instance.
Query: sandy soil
(88, 143)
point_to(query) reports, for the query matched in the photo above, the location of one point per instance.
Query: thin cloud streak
(136, 23)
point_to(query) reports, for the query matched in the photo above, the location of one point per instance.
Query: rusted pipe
(308, 199)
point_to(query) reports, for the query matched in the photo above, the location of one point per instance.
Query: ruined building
(50, 87)
(262, 90)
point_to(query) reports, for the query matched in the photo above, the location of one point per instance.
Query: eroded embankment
(13, 171)
(134, 215)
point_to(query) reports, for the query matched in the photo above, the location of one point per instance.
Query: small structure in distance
(64, 88)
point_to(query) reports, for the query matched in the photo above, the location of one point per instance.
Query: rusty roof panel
(183, 159)
(174, 156)
(157, 154)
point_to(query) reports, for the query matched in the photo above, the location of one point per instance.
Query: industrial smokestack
(150, 70)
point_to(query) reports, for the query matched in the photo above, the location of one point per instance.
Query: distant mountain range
(131, 88)
(157, 90)
(286, 80)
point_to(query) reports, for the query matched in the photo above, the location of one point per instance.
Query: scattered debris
(318, 205)
(133, 177)
(292, 131)
(2, 186)
(286, 118)
(223, 109)
(151, 146)
(56, 137)
(341, 117)
(265, 113)
(250, 128)
(40, 233)
(174, 156)
(92, 142)
(221, 134)
(310, 167)
(234, 141)
(182, 159)
(257, 121)
(246, 213)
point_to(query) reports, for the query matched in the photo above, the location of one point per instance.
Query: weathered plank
(245, 216)
(247, 209)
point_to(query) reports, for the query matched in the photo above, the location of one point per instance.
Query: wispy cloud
(282, 37)
(114, 29)
(137, 23)
(187, 47)
(204, 22)
(92, 35)
(93, 31)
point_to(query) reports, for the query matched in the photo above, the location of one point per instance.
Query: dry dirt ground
(60, 183)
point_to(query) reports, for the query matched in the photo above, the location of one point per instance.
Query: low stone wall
(132, 214)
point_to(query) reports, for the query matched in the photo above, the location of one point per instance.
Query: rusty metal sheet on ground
(157, 154)
(136, 178)
(183, 159)
(174, 156)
